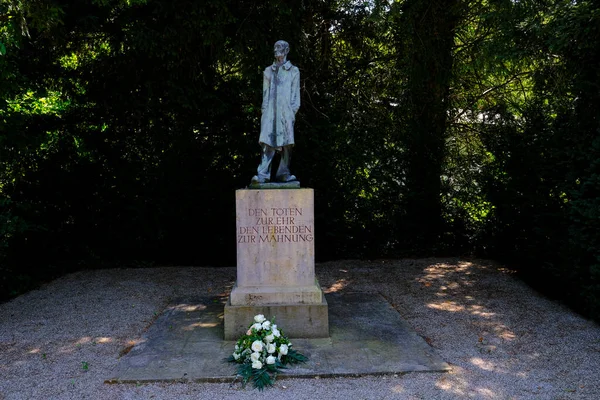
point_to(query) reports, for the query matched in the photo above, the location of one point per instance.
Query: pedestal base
(296, 320)
(276, 264)
(272, 295)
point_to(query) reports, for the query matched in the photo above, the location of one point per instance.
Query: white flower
(271, 348)
(254, 357)
(276, 332)
(271, 360)
(269, 338)
(257, 345)
(237, 347)
(257, 326)
(274, 326)
(259, 318)
(249, 332)
(283, 349)
(266, 325)
(236, 356)
(257, 365)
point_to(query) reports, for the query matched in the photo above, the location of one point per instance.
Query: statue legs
(283, 171)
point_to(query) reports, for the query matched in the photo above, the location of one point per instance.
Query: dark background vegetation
(427, 127)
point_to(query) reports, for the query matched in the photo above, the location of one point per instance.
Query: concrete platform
(367, 336)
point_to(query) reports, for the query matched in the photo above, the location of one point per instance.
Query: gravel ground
(502, 339)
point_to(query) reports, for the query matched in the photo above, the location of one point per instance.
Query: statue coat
(281, 101)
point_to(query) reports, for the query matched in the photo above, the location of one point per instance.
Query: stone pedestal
(275, 264)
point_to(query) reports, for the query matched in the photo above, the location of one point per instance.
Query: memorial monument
(275, 230)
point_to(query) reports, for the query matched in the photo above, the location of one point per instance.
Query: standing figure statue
(281, 101)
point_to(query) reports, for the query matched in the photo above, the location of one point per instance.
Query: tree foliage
(426, 127)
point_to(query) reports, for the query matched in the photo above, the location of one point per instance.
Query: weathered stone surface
(275, 264)
(256, 295)
(275, 247)
(297, 320)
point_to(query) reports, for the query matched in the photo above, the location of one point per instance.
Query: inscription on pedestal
(275, 225)
(275, 237)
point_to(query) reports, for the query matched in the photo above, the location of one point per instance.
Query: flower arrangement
(262, 351)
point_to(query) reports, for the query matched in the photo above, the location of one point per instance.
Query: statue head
(281, 50)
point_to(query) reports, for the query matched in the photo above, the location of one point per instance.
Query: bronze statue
(281, 101)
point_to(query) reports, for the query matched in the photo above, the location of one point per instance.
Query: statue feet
(286, 178)
(256, 179)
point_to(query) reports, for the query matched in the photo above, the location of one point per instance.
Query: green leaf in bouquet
(262, 378)
(293, 357)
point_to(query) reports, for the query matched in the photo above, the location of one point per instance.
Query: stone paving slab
(367, 336)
